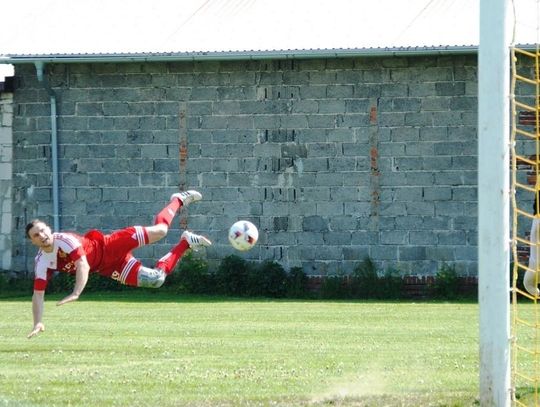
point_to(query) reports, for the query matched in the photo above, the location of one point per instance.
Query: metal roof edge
(237, 55)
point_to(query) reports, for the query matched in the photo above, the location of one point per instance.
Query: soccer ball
(243, 235)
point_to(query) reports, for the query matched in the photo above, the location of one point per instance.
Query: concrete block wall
(333, 159)
(6, 179)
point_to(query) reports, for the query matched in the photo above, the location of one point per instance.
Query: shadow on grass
(139, 295)
(398, 400)
(527, 395)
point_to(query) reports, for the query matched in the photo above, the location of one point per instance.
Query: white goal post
(493, 201)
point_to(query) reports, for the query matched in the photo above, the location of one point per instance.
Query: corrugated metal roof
(240, 28)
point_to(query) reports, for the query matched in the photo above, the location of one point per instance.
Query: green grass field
(141, 349)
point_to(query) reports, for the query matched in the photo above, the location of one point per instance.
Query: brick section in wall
(333, 160)
(6, 178)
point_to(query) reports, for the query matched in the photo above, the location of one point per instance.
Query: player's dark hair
(30, 225)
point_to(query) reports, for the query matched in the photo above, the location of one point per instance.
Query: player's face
(41, 235)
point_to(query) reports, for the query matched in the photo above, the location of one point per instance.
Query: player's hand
(39, 327)
(69, 298)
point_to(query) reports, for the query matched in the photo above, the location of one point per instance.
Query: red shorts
(117, 261)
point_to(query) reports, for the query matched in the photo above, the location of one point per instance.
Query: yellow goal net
(525, 165)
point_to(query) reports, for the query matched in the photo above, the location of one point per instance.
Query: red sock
(168, 262)
(166, 215)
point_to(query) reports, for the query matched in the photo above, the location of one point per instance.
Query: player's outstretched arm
(37, 310)
(81, 278)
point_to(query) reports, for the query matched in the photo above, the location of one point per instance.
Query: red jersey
(67, 249)
(110, 255)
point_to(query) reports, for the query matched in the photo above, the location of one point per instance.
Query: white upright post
(493, 202)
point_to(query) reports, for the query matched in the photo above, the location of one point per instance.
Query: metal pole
(54, 145)
(493, 202)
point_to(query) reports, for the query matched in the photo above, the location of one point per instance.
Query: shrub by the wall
(64, 282)
(10, 284)
(267, 279)
(297, 283)
(191, 276)
(446, 284)
(238, 277)
(335, 287)
(391, 285)
(365, 280)
(232, 276)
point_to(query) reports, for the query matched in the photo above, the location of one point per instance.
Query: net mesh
(525, 155)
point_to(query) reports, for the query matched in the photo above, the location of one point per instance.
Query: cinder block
(449, 88)
(440, 253)
(425, 238)
(7, 119)
(326, 121)
(384, 252)
(329, 209)
(6, 135)
(331, 106)
(313, 91)
(305, 106)
(6, 226)
(6, 258)
(412, 253)
(395, 237)
(437, 193)
(294, 121)
(315, 224)
(355, 254)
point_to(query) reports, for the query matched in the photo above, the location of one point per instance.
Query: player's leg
(150, 278)
(188, 241)
(132, 272)
(165, 216)
(120, 243)
(530, 280)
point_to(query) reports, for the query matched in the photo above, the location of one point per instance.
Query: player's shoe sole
(195, 241)
(187, 197)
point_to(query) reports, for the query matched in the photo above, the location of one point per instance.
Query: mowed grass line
(137, 349)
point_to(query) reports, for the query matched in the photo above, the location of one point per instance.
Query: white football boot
(187, 197)
(195, 241)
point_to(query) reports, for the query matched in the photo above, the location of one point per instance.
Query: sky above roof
(119, 26)
(74, 27)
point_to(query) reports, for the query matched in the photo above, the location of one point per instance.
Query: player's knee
(156, 232)
(162, 230)
(160, 280)
(150, 278)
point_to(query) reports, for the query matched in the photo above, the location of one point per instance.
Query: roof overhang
(236, 55)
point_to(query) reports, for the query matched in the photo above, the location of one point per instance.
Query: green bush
(368, 283)
(297, 283)
(4, 282)
(191, 276)
(446, 285)
(391, 285)
(98, 283)
(268, 279)
(335, 287)
(64, 282)
(232, 276)
(15, 283)
(238, 277)
(365, 280)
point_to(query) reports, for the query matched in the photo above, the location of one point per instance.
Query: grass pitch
(142, 349)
